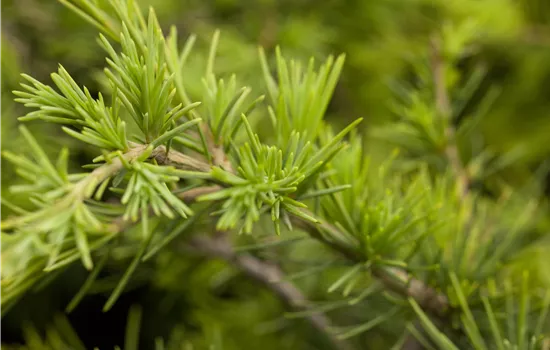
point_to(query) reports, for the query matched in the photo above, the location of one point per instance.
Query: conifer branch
(386, 229)
(269, 275)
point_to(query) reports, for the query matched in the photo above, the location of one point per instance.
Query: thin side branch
(83, 189)
(444, 110)
(394, 279)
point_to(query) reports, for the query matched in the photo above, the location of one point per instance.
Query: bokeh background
(379, 38)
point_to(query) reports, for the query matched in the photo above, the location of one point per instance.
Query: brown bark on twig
(270, 275)
(192, 194)
(394, 279)
(179, 160)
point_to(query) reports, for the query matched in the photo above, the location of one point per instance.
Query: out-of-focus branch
(270, 275)
(444, 110)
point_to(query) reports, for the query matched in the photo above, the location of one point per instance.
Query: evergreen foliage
(422, 247)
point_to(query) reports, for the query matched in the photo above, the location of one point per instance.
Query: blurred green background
(379, 38)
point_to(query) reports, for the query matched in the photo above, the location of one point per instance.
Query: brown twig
(179, 160)
(394, 279)
(191, 195)
(404, 284)
(270, 275)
